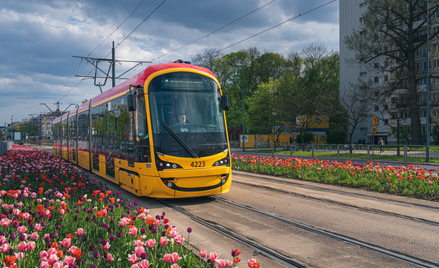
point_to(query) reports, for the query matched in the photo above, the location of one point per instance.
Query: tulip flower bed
(53, 216)
(408, 181)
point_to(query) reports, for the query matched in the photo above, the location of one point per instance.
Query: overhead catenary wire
(120, 43)
(117, 28)
(77, 67)
(207, 35)
(277, 25)
(245, 39)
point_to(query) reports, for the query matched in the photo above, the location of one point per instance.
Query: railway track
(376, 211)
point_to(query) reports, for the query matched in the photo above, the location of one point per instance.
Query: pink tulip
(138, 243)
(150, 243)
(5, 222)
(22, 246)
(174, 232)
(179, 239)
(67, 242)
(135, 266)
(3, 240)
(38, 227)
(175, 266)
(4, 248)
(51, 251)
(213, 256)
(175, 257)
(31, 246)
(58, 264)
(109, 257)
(167, 258)
(69, 260)
(251, 262)
(80, 232)
(25, 216)
(106, 246)
(133, 231)
(144, 264)
(34, 236)
(19, 256)
(72, 249)
(164, 240)
(16, 212)
(139, 251)
(43, 255)
(132, 258)
(22, 229)
(203, 254)
(53, 258)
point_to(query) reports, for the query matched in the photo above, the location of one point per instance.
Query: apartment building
(426, 60)
(351, 14)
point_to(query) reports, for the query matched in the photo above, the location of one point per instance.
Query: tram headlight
(170, 184)
(161, 165)
(222, 162)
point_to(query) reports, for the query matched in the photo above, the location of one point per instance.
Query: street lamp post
(242, 87)
(428, 83)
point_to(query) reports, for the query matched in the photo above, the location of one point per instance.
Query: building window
(363, 33)
(386, 78)
(376, 79)
(363, 74)
(376, 65)
(436, 64)
(424, 32)
(361, 20)
(421, 65)
(421, 82)
(422, 113)
(436, 81)
(364, 4)
(385, 64)
(436, 29)
(376, 107)
(435, 96)
(436, 14)
(363, 128)
(422, 17)
(421, 51)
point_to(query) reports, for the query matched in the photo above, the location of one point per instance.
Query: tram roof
(136, 80)
(140, 78)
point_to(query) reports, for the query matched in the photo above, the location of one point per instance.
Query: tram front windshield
(186, 115)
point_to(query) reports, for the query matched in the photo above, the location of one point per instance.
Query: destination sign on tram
(184, 83)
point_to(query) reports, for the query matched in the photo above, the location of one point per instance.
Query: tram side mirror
(225, 102)
(131, 100)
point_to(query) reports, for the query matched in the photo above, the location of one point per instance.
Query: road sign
(375, 121)
(374, 130)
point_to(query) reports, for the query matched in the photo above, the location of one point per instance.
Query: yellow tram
(162, 133)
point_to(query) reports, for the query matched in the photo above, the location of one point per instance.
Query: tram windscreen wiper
(177, 138)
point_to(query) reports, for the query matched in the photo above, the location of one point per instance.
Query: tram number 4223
(198, 164)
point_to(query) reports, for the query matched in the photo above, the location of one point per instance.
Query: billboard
(313, 121)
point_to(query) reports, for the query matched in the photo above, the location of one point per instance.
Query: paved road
(407, 226)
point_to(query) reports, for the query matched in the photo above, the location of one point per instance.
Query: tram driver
(182, 119)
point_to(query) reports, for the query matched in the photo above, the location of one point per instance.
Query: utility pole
(427, 156)
(112, 66)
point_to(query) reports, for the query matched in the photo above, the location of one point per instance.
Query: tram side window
(143, 153)
(83, 131)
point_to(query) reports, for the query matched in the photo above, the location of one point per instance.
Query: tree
(261, 106)
(393, 31)
(314, 92)
(358, 105)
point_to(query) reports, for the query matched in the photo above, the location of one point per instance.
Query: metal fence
(424, 156)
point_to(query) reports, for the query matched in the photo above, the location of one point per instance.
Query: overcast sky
(39, 38)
